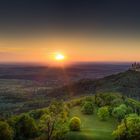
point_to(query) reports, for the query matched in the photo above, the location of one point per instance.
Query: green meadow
(91, 127)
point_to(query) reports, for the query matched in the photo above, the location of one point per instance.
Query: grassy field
(92, 128)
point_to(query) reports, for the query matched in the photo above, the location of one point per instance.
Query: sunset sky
(82, 30)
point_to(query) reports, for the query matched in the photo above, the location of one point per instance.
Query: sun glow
(59, 57)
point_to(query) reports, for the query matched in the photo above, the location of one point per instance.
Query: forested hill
(18, 96)
(127, 83)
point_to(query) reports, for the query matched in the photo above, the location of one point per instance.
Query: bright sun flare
(59, 57)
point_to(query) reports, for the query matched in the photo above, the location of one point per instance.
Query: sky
(82, 30)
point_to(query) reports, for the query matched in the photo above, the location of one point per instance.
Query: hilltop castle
(135, 67)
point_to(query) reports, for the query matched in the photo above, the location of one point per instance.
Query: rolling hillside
(23, 95)
(127, 83)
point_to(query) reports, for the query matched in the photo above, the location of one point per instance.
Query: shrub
(103, 113)
(87, 108)
(6, 132)
(75, 124)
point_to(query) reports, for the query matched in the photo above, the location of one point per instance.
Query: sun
(59, 57)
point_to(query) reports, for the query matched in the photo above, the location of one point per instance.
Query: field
(92, 128)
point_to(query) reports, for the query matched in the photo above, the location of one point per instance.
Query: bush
(103, 113)
(75, 124)
(87, 108)
(6, 132)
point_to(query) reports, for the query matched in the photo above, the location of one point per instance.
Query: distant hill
(18, 95)
(26, 88)
(127, 83)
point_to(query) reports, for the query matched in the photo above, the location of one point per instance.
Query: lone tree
(6, 132)
(87, 108)
(75, 124)
(103, 113)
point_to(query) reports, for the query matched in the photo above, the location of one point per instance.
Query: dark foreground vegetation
(107, 116)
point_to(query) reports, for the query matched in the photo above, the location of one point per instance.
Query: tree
(87, 108)
(75, 124)
(59, 108)
(36, 114)
(6, 133)
(48, 125)
(25, 127)
(103, 113)
(53, 123)
(129, 129)
(120, 111)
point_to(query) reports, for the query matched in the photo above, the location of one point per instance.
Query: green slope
(92, 128)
